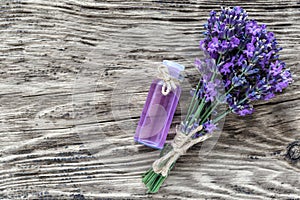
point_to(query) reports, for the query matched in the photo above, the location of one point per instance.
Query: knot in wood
(293, 151)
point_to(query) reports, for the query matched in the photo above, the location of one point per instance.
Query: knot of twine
(169, 81)
(180, 144)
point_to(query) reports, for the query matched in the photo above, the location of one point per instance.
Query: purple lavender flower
(234, 42)
(281, 85)
(241, 60)
(269, 96)
(198, 64)
(209, 126)
(226, 68)
(227, 83)
(248, 58)
(250, 50)
(210, 91)
(276, 68)
(201, 45)
(245, 111)
(253, 28)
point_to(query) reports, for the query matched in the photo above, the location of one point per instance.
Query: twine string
(169, 81)
(180, 144)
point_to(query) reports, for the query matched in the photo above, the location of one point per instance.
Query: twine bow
(169, 81)
(180, 144)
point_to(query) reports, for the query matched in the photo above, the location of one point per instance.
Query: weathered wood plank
(63, 136)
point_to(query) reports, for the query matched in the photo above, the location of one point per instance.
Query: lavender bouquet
(242, 57)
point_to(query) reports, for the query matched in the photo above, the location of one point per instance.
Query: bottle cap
(174, 68)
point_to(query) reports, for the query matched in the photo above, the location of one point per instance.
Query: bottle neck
(174, 69)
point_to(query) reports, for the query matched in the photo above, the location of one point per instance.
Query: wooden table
(75, 75)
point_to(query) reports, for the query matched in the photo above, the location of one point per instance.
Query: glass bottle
(159, 109)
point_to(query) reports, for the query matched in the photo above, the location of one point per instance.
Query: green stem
(197, 113)
(219, 59)
(192, 104)
(195, 106)
(221, 116)
(208, 113)
(154, 181)
(212, 107)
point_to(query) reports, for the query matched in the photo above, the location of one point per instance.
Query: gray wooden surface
(73, 79)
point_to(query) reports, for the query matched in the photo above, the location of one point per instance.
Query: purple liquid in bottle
(158, 111)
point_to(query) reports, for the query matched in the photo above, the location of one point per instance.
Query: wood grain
(73, 79)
